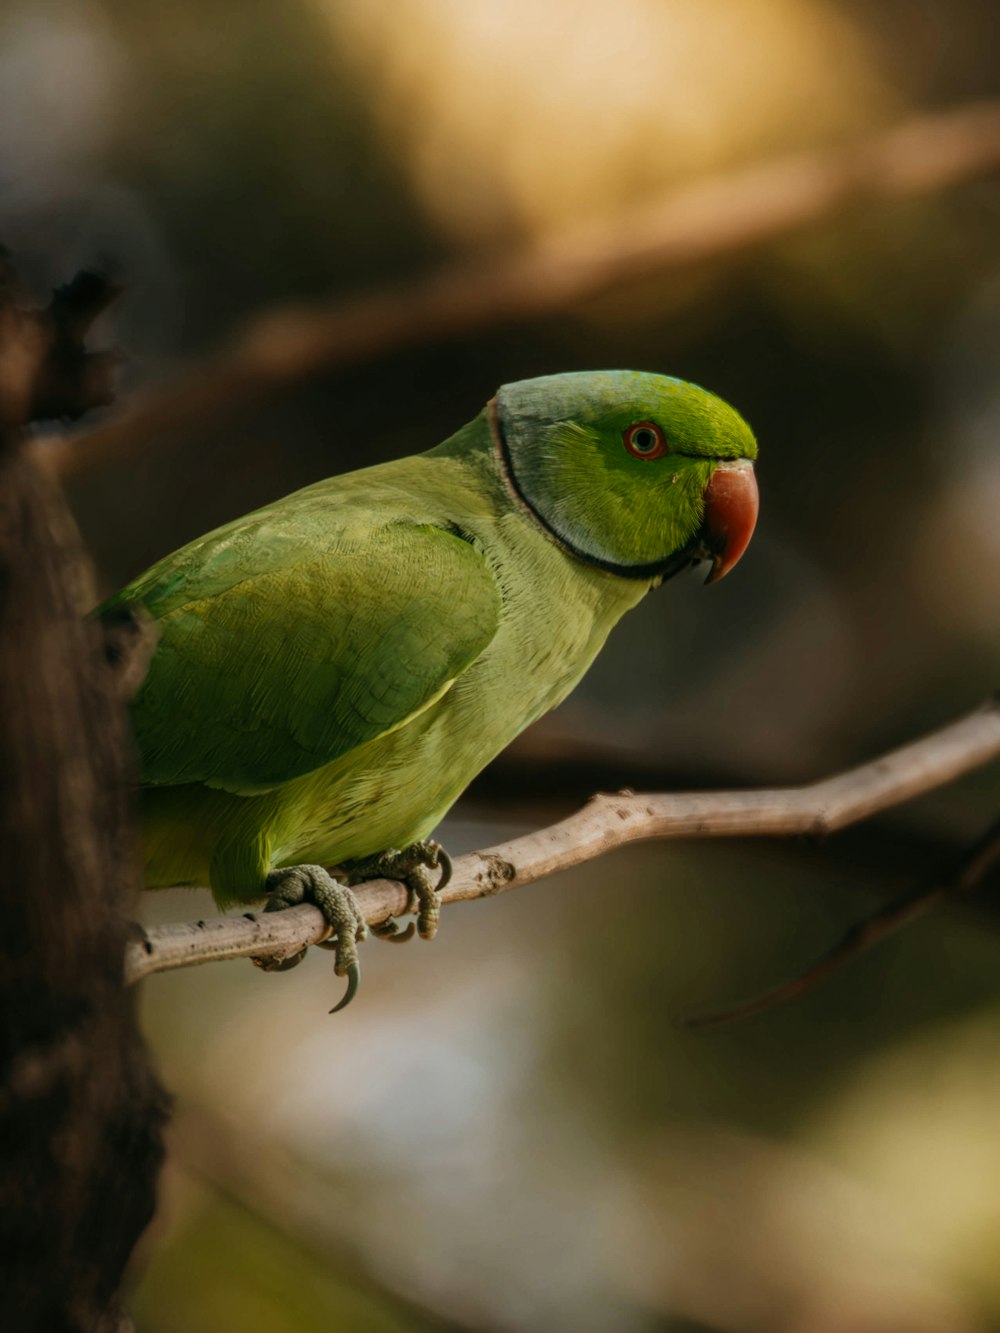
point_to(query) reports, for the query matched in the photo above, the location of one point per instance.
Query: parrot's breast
(556, 615)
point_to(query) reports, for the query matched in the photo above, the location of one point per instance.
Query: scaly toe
(428, 902)
(297, 884)
(411, 866)
(280, 964)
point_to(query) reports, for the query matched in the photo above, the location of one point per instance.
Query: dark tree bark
(81, 1112)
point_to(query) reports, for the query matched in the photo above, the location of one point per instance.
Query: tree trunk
(81, 1112)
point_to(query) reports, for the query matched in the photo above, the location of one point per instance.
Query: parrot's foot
(312, 884)
(412, 867)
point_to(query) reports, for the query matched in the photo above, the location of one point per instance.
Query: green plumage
(334, 669)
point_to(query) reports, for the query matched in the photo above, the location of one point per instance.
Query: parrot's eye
(645, 440)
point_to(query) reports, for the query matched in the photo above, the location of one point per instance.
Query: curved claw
(353, 982)
(447, 869)
(391, 932)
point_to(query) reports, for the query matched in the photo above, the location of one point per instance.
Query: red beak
(731, 504)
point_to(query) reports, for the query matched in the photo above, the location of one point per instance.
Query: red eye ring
(645, 440)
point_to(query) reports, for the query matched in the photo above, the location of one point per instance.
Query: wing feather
(269, 668)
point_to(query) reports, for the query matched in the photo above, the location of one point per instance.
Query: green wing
(275, 658)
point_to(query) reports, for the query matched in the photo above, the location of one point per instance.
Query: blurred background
(507, 1131)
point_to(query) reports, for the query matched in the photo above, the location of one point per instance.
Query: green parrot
(332, 670)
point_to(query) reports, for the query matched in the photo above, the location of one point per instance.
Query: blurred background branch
(975, 865)
(706, 222)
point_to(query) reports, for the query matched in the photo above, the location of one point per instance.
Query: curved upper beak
(731, 504)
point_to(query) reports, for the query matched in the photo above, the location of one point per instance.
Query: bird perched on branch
(334, 669)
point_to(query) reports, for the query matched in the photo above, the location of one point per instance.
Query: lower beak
(731, 504)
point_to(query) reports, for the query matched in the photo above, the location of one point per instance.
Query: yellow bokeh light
(514, 115)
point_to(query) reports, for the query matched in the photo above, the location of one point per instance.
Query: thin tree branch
(606, 822)
(974, 866)
(709, 220)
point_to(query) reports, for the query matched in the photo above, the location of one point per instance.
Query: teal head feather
(616, 464)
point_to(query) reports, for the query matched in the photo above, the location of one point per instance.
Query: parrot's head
(640, 474)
